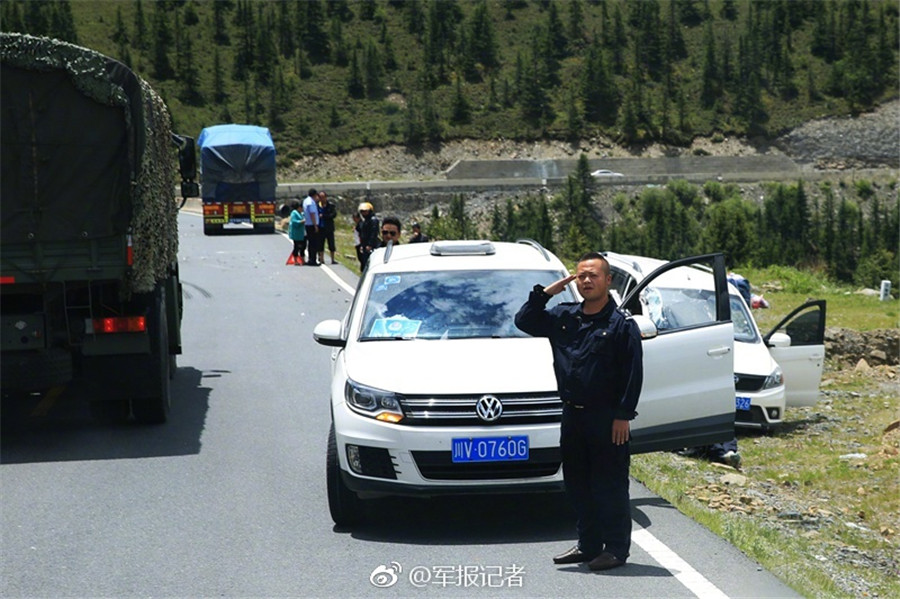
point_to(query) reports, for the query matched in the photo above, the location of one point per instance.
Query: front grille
(748, 382)
(438, 465)
(459, 410)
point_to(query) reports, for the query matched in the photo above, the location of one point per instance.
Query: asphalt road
(228, 498)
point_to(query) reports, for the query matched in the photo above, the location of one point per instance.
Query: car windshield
(680, 308)
(451, 304)
(743, 322)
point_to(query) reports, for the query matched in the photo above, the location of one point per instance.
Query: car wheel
(345, 506)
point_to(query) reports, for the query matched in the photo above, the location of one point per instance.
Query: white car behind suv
(771, 372)
(435, 390)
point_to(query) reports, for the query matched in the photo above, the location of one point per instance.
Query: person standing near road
(297, 231)
(390, 230)
(327, 214)
(368, 232)
(311, 214)
(418, 236)
(597, 359)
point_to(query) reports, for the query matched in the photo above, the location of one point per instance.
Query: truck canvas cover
(86, 154)
(235, 156)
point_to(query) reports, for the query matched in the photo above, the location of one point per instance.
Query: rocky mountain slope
(869, 141)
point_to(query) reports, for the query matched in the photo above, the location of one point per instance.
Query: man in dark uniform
(597, 358)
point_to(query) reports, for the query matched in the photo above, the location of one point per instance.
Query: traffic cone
(290, 260)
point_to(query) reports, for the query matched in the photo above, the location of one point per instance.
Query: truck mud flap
(35, 371)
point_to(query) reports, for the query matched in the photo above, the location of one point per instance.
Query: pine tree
(219, 93)
(373, 70)
(140, 26)
(356, 88)
(162, 40)
(460, 110)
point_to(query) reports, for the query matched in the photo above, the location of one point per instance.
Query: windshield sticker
(395, 327)
(388, 280)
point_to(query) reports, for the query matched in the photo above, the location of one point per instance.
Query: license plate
(490, 449)
(742, 403)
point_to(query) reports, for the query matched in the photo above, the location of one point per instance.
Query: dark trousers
(312, 241)
(299, 248)
(595, 472)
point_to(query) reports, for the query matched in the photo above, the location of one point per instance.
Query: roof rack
(536, 246)
(463, 247)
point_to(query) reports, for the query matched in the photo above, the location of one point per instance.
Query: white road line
(337, 279)
(328, 272)
(668, 559)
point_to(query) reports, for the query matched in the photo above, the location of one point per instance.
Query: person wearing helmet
(369, 233)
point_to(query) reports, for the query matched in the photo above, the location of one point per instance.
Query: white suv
(435, 390)
(771, 372)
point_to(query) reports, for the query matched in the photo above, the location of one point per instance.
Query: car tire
(345, 506)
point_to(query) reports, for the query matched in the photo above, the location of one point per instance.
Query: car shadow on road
(67, 432)
(471, 519)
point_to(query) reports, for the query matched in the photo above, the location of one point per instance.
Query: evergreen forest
(327, 76)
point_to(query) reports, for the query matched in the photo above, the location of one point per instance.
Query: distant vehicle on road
(237, 177)
(606, 173)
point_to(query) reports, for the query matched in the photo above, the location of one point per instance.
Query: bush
(875, 268)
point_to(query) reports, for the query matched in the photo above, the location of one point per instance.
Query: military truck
(237, 177)
(90, 295)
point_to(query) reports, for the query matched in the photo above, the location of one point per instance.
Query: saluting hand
(554, 288)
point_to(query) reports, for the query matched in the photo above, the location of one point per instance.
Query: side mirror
(190, 189)
(328, 332)
(646, 326)
(779, 340)
(187, 156)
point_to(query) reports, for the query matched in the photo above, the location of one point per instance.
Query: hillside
(331, 77)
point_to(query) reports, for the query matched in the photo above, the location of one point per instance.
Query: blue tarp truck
(237, 180)
(90, 295)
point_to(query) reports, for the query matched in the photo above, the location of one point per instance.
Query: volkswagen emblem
(489, 408)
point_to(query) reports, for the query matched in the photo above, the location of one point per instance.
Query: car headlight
(776, 379)
(374, 403)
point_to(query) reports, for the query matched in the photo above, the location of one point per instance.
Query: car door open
(684, 314)
(797, 343)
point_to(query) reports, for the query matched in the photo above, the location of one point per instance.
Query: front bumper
(395, 459)
(766, 409)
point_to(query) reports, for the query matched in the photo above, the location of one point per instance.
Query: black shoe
(605, 561)
(572, 556)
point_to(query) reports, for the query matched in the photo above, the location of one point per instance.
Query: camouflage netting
(154, 224)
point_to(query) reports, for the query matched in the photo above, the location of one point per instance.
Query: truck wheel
(345, 506)
(212, 229)
(112, 411)
(155, 408)
(264, 227)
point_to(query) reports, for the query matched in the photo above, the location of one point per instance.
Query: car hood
(455, 366)
(753, 358)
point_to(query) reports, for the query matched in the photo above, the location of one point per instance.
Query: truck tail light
(118, 324)
(265, 208)
(7, 280)
(212, 209)
(130, 255)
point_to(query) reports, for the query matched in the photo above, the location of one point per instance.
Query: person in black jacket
(597, 359)
(369, 233)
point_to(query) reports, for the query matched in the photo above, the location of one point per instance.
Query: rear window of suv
(453, 304)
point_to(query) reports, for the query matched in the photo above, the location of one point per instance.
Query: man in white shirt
(311, 214)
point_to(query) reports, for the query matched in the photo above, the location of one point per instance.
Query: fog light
(774, 413)
(353, 458)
